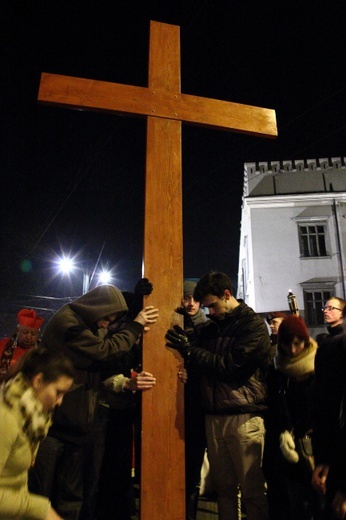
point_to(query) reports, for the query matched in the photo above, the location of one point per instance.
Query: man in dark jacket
(195, 441)
(231, 356)
(332, 312)
(329, 434)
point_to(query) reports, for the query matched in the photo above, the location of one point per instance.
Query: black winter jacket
(329, 436)
(232, 357)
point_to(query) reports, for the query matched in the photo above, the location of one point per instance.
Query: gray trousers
(235, 448)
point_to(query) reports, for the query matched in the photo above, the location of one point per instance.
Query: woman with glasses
(329, 439)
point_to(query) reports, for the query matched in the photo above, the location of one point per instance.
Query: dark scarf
(19, 395)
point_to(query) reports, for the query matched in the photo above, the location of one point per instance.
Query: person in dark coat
(278, 502)
(291, 393)
(329, 436)
(82, 329)
(231, 355)
(274, 319)
(195, 441)
(332, 312)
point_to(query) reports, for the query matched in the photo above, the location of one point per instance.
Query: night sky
(73, 181)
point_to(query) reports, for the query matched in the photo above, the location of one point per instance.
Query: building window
(312, 239)
(313, 303)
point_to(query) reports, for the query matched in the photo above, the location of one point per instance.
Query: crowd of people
(263, 400)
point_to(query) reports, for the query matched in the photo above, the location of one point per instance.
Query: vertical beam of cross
(162, 475)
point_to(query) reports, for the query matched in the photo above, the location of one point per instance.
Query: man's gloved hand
(288, 447)
(144, 287)
(177, 339)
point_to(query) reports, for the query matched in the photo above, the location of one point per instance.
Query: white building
(293, 236)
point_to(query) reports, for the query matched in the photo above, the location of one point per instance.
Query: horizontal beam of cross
(80, 93)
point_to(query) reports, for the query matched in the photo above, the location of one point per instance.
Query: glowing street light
(105, 277)
(67, 265)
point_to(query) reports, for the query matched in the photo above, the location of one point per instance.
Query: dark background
(73, 181)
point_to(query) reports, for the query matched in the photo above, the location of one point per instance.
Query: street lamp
(67, 265)
(105, 277)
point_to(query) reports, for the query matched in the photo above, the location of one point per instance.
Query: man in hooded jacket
(82, 329)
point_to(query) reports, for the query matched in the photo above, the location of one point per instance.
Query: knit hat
(272, 315)
(189, 287)
(290, 327)
(29, 318)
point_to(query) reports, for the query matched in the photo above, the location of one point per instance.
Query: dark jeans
(41, 478)
(277, 494)
(115, 484)
(195, 445)
(332, 487)
(58, 474)
(305, 502)
(93, 463)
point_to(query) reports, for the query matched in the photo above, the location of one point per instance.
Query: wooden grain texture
(126, 99)
(163, 458)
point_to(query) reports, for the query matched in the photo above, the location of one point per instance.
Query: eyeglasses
(331, 308)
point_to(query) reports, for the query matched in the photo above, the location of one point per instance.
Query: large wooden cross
(162, 477)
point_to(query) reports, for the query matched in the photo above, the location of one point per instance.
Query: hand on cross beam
(143, 287)
(142, 381)
(178, 340)
(147, 316)
(183, 375)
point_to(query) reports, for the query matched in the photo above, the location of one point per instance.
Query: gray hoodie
(73, 328)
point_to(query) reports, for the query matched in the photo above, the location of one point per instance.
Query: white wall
(272, 248)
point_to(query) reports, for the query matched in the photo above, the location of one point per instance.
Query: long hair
(51, 363)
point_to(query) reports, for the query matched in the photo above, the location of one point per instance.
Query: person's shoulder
(249, 315)
(331, 353)
(8, 420)
(244, 308)
(323, 339)
(63, 319)
(3, 343)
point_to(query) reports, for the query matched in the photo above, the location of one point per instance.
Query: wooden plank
(103, 96)
(163, 455)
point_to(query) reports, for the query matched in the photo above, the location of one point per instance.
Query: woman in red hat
(294, 384)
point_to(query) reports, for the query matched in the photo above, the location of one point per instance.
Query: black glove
(144, 287)
(178, 340)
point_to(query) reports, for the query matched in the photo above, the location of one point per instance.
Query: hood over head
(102, 301)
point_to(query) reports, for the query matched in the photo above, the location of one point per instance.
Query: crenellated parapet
(297, 176)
